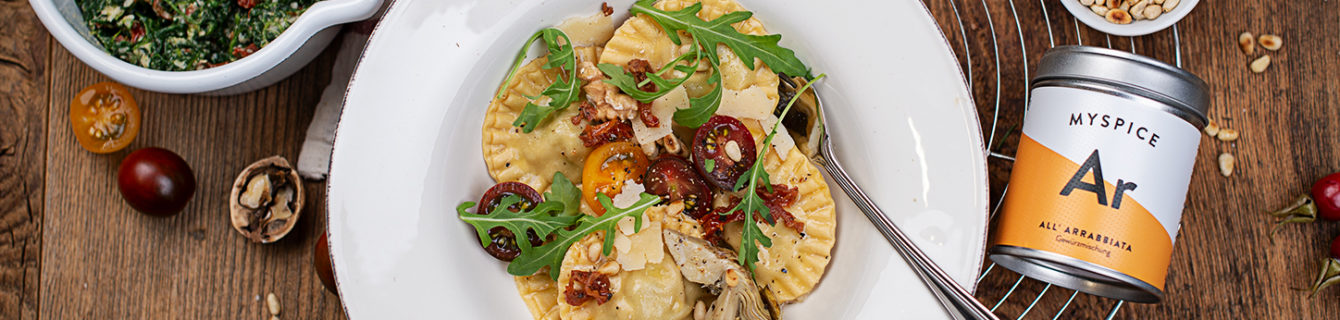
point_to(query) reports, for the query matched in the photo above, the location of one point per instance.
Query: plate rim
(974, 126)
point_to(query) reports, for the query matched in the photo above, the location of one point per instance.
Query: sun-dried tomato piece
(246, 4)
(606, 9)
(243, 52)
(136, 32)
(609, 131)
(585, 286)
(781, 197)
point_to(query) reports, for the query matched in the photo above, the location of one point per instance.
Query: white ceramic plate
(408, 151)
(1133, 29)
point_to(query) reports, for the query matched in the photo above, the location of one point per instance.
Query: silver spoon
(809, 132)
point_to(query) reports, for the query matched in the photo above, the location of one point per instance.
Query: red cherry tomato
(155, 181)
(1335, 248)
(321, 260)
(675, 179)
(607, 168)
(1326, 193)
(504, 247)
(714, 147)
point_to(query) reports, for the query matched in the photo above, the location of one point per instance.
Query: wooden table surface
(75, 250)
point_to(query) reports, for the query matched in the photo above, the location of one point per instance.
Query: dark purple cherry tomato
(155, 181)
(674, 179)
(504, 245)
(723, 150)
(1326, 193)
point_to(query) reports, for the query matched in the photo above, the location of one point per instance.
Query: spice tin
(1100, 179)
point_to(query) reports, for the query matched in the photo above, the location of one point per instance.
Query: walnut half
(266, 200)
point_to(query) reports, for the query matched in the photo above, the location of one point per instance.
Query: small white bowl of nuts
(1129, 17)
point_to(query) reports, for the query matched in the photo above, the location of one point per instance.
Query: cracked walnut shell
(266, 200)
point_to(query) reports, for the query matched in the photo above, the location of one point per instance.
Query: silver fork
(953, 298)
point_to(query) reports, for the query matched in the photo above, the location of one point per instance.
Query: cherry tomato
(155, 181)
(104, 117)
(674, 179)
(1335, 248)
(608, 167)
(504, 247)
(716, 146)
(1326, 193)
(321, 260)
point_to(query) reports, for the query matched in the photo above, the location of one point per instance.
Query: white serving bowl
(1135, 28)
(296, 46)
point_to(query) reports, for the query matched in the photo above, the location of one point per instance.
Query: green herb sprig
(561, 93)
(751, 202)
(551, 254)
(706, 36)
(559, 209)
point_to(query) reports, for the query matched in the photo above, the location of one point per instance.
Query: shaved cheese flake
(664, 109)
(751, 103)
(588, 31)
(644, 247)
(782, 143)
(632, 191)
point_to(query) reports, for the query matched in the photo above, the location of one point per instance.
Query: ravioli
(657, 291)
(532, 158)
(540, 294)
(795, 263)
(641, 38)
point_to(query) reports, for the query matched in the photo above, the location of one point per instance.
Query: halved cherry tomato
(723, 150)
(104, 117)
(608, 167)
(674, 179)
(503, 245)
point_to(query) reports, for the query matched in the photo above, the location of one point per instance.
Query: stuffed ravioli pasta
(644, 171)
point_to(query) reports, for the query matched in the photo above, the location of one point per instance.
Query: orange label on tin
(1127, 238)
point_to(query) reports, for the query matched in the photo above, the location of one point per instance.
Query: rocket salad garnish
(706, 36)
(751, 203)
(559, 94)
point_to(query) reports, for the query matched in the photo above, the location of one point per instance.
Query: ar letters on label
(1092, 164)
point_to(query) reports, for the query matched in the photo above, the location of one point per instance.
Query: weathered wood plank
(105, 260)
(24, 54)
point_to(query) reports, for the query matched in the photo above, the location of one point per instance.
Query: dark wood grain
(105, 260)
(75, 250)
(1224, 265)
(24, 48)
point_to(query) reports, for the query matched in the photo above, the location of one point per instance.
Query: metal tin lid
(1142, 75)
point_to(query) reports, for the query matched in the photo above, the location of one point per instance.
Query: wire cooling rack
(953, 24)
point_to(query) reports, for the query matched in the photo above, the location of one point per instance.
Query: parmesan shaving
(751, 103)
(782, 143)
(639, 249)
(664, 109)
(632, 191)
(588, 31)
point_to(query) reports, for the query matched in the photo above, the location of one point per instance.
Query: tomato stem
(1330, 274)
(1302, 210)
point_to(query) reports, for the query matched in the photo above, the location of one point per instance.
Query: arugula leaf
(702, 108)
(551, 254)
(630, 86)
(563, 191)
(561, 93)
(751, 203)
(719, 31)
(539, 219)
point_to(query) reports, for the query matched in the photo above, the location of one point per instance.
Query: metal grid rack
(987, 6)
